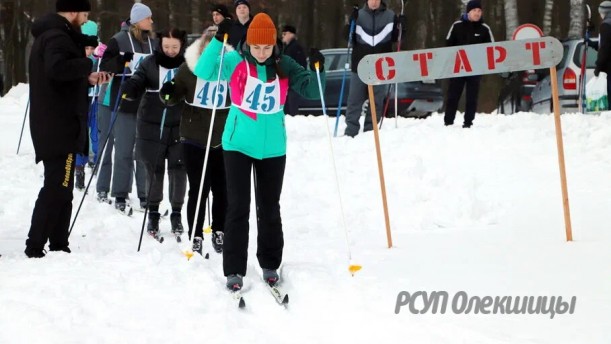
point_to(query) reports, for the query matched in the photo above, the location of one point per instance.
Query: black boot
(79, 174)
(175, 220)
(153, 223)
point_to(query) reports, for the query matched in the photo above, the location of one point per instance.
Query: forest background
(319, 23)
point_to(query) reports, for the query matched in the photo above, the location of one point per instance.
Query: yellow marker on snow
(208, 230)
(354, 269)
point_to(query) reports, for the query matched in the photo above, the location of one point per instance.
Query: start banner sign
(459, 61)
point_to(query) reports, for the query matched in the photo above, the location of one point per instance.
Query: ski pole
(353, 268)
(25, 115)
(153, 177)
(395, 85)
(346, 66)
(113, 118)
(189, 252)
(582, 77)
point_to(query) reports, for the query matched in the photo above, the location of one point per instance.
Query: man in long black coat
(60, 75)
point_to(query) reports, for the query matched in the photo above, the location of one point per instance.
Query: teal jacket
(259, 136)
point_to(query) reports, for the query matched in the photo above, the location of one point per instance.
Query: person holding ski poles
(376, 29)
(255, 137)
(603, 61)
(157, 133)
(60, 75)
(132, 44)
(90, 29)
(470, 29)
(194, 128)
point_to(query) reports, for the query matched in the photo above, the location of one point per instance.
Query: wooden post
(376, 135)
(565, 192)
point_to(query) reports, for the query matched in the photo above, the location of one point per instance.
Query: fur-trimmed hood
(192, 53)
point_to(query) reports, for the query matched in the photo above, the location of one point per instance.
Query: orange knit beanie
(261, 31)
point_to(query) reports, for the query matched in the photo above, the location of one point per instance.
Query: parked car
(515, 96)
(569, 75)
(415, 99)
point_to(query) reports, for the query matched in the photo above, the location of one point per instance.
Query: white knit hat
(139, 12)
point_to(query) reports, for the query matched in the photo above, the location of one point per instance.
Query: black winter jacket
(603, 61)
(295, 51)
(238, 32)
(150, 112)
(465, 32)
(58, 89)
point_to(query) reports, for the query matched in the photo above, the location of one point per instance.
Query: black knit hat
(221, 9)
(289, 28)
(237, 3)
(473, 4)
(72, 6)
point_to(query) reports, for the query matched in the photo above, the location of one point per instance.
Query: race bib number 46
(210, 93)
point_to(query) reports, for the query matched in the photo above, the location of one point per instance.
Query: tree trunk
(547, 17)
(511, 18)
(576, 15)
(196, 24)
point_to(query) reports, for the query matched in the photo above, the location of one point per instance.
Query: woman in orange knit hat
(255, 137)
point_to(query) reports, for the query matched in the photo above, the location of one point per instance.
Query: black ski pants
(269, 175)
(53, 208)
(455, 91)
(213, 181)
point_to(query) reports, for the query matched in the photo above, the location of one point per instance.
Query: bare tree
(511, 18)
(576, 15)
(547, 17)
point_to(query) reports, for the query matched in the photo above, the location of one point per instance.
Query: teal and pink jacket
(257, 135)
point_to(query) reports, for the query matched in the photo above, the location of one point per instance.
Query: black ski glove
(355, 13)
(223, 28)
(317, 56)
(596, 72)
(167, 89)
(127, 56)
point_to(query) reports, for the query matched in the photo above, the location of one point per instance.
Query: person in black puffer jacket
(194, 129)
(470, 29)
(157, 127)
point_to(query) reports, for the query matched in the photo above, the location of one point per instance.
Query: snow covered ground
(475, 210)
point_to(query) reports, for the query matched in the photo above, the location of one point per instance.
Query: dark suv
(415, 99)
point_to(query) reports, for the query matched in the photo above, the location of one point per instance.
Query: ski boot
(217, 241)
(79, 174)
(102, 197)
(152, 227)
(234, 282)
(177, 228)
(270, 276)
(197, 245)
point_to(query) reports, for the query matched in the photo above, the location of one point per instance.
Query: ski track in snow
(475, 210)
